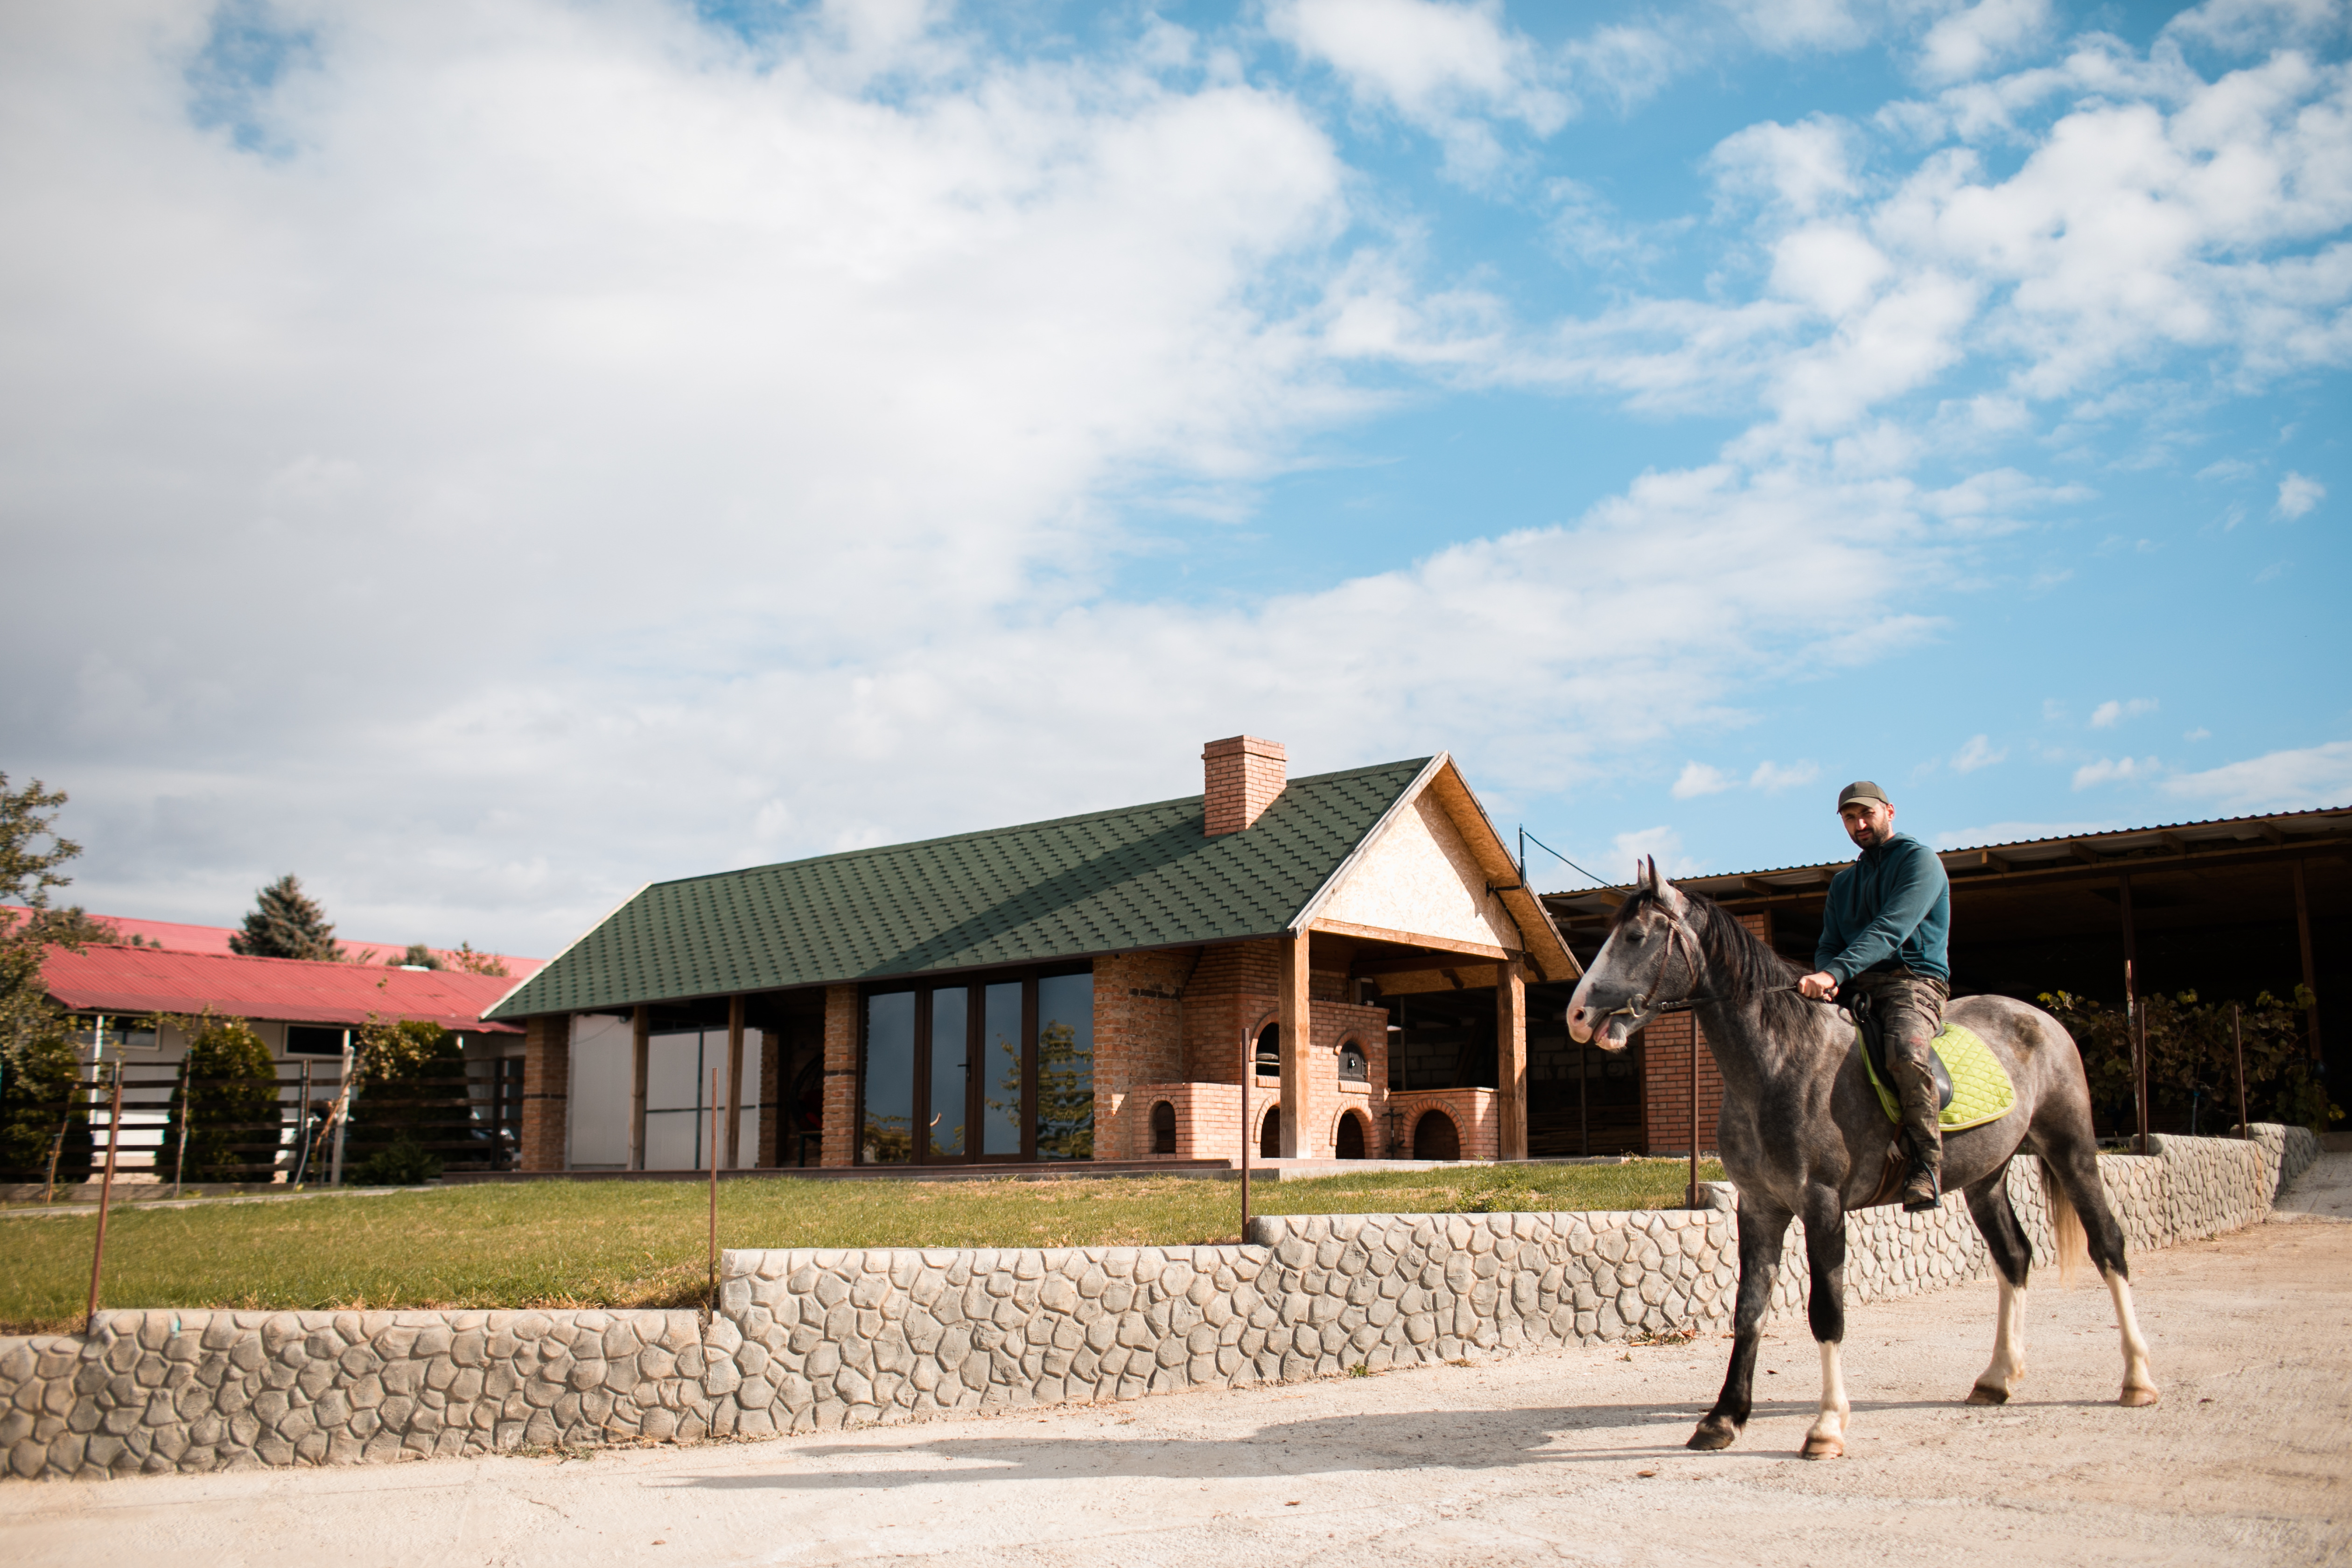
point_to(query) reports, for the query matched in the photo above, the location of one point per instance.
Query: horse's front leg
(1763, 1226)
(1825, 1306)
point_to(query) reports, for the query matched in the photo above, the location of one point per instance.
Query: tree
(418, 956)
(412, 1091)
(227, 1103)
(41, 1105)
(474, 962)
(287, 922)
(2193, 1053)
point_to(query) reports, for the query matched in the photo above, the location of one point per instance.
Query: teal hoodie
(1892, 906)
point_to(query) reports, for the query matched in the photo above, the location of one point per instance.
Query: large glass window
(887, 1135)
(1065, 1067)
(685, 1075)
(1002, 1088)
(1002, 1070)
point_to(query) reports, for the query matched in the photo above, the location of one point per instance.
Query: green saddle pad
(1981, 1091)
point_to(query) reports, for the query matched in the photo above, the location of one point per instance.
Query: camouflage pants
(1910, 1010)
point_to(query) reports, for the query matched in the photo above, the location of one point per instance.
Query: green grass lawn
(623, 1244)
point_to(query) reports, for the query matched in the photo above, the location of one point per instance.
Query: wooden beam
(1412, 939)
(2084, 853)
(2270, 830)
(1291, 998)
(1759, 887)
(2310, 976)
(1511, 1061)
(2178, 844)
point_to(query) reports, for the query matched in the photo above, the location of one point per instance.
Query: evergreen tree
(287, 922)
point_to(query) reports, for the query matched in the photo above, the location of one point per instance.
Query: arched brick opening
(1164, 1128)
(1267, 1056)
(1434, 1137)
(1269, 1135)
(1348, 1142)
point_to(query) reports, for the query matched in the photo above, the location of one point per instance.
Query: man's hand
(1821, 986)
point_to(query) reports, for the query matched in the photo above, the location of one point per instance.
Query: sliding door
(995, 1070)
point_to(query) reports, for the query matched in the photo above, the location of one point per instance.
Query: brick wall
(1231, 992)
(1208, 1119)
(546, 1091)
(1138, 1038)
(840, 1075)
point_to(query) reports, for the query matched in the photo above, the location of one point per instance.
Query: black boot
(1923, 1184)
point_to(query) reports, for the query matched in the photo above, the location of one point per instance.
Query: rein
(1677, 939)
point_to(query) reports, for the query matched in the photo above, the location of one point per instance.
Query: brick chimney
(1243, 774)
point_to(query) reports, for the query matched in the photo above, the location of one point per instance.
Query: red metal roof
(140, 980)
(176, 936)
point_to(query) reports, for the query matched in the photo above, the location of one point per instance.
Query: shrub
(412, 1090)
(403, 1163)
(227, 1101)
(2191, 1053)
(40, 1095)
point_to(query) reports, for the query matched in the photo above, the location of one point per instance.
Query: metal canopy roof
(2172, 846)
(1138, 878)
(138, 981)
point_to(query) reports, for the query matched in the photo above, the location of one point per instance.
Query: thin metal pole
(2238, 1039)
(179, 1167)
(714, 1185)
(1693, 1086)
(105, 1197)
(1249, 1071)
(2143, 1080)
(302, 1125)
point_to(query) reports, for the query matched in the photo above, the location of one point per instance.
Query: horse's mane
(1745, 965)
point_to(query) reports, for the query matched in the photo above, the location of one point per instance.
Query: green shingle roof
(1111, 881)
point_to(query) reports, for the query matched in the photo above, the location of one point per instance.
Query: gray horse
(1802, 1136)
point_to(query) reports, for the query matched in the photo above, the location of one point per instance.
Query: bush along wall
(804, 1339)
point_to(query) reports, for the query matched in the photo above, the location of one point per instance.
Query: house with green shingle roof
(1156, 982)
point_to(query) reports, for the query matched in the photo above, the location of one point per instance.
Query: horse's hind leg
(2013, 1255)
(2079, 1202)
(1762, 1228)
(1825, 1307)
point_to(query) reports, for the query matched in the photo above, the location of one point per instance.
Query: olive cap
(1862, 789)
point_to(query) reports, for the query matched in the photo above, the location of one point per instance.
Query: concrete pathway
(1569, 1457)
(2324, 1192)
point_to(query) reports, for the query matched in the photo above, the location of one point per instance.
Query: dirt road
(1573, 1457)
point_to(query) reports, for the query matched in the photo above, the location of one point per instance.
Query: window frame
(975, 985)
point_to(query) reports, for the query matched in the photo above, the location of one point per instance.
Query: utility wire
(1558, 857)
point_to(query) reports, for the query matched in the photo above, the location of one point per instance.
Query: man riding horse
(1882, 935)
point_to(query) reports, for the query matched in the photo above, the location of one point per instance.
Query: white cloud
(1772, 778)
(1978, 752)
(2307, 778)
(1803, 168)
(2114, 770)
(1661, 843)
(2199, 734)
(1446, 68)
(2297, 494)
(2110, 713)
(1699, 779)
(1964, 43)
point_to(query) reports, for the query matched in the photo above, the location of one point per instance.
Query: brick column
(546, 1091)
(1299, 1139)
(1511, 1059)
(641, 1030)
(772, 1097)
(732, 1140)
(840, 1076)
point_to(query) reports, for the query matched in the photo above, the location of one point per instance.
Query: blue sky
(482, 457)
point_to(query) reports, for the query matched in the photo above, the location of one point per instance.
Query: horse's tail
(2065, 1227)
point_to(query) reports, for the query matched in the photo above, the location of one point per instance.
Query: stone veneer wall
(808, 1339)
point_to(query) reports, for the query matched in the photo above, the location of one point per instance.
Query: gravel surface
(1572, 1455)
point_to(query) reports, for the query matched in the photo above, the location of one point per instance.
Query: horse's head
(1622, 989)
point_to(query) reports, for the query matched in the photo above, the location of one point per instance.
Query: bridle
(1678, 940)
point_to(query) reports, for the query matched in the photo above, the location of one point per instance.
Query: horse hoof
(2137, 1396)
(1825, 1449)
(1982, 1395)
(1713, 1434)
